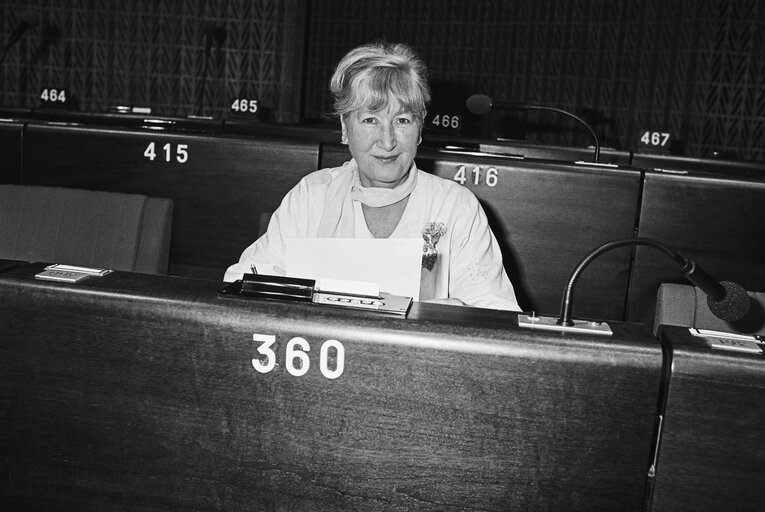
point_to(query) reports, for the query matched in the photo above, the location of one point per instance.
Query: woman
(381, 93)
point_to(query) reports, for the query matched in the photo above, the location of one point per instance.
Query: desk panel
(128, 120)
(138, 392)
(547, 217)
(720, 167)
(220, 185)
(559, 153)
(11, 133)
(716, 221)
(712, 451)
(10, 264)
(244, 126)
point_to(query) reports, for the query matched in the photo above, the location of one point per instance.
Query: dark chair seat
(87, 228)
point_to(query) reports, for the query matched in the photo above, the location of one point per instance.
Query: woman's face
(383, 143)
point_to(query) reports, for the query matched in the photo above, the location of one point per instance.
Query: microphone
(211, 32)
(208, 30)
(481, 104)
(727, 300)
(26, 21)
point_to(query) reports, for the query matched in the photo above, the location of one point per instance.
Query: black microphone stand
(726, 300)
(202, 85)
(525, 106)
(14, 38)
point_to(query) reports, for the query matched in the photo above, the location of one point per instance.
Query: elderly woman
(380, 93)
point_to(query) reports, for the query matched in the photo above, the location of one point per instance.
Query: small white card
(70, 273)
(65, 276)
(393, 263)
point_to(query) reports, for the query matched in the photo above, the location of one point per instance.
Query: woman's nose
(387, 139)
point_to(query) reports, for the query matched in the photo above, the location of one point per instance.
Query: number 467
(655, 138)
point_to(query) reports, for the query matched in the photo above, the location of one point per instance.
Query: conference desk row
(547, 214)
(141, 392)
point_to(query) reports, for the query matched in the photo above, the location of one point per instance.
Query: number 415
(181, 152)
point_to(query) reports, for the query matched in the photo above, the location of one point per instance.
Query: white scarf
(338, 217)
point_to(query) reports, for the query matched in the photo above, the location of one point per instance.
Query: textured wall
(151, 53)
(695, 68)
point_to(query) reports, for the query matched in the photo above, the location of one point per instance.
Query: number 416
(490, 177)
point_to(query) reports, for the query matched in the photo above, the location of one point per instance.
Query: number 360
(296, 358)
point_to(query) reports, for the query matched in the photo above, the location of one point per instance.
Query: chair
(686, 306)
(88, 228)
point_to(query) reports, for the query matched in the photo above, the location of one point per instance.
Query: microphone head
(30, 17)
(479, 104)
(208, 29)
(734, 306)
(220, 35)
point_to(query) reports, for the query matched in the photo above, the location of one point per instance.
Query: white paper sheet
(393, 263)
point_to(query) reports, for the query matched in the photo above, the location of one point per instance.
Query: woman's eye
(368, 120)
(403, 120)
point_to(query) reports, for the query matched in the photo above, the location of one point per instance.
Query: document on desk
(393, 263)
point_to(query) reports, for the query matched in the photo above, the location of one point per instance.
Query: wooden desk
(220, 185)
(10, 151)
(712, 451)
(138, 392)
(546, 215)
(717, 221)
(721, 167)
(9, 264)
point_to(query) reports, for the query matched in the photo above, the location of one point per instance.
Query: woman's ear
(343, 132)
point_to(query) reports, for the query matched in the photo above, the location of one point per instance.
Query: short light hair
(370, 74)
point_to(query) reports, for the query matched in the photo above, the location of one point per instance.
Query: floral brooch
(432, 233)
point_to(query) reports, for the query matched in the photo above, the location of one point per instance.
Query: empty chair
(87, 228)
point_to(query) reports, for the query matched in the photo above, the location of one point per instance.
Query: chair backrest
(82, 227)
(686, 306)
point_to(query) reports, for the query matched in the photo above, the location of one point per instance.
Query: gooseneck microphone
(26, 21)
(726, 300)
(208, 30)
(481, 104)
(218, 34)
